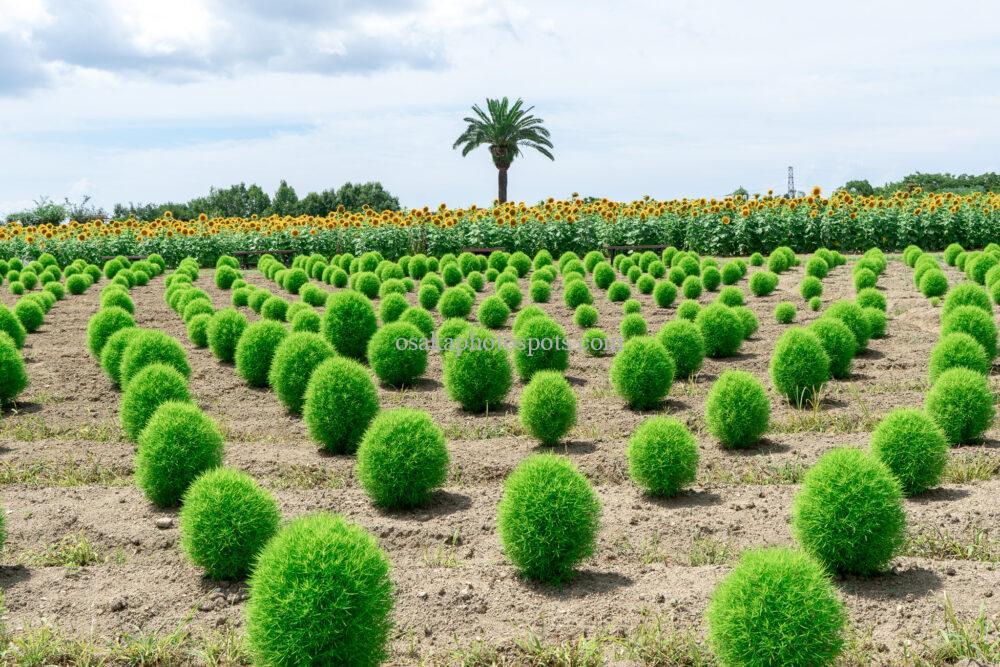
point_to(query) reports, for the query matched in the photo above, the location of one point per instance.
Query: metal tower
(791, 184)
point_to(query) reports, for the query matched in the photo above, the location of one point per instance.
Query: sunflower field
(728, 226)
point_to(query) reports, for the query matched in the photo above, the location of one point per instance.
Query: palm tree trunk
(502, 184)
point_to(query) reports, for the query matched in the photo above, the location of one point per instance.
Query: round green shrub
(784, 312)
(349, 322)
(398, 354)
(103, 324)
(111, 353)
(151, 346)
(402, 458)
(684, 343)
(731, 296)
(340, 402)
(13, 375)
(800, 365)
(178, 443)
(151, 387)
(966, 294)
(257, 299)
(618, 291)
(815, 304)
(763, 283)
(604, 275)
(540, 344)
(632, 306)
(710, 278)
(854, 317)
(839, 344)
(864, 279)
(817, 268)
(241, 296)
(391, 307)
(16, 288)
(224, 331)
(548, 407)
(777, 607)
(548, 518)
(594, 342)
(577, 293)
(225, 276)
(721, 329)
(541, 292)
(933, 283)
(912, 446)
(320, 594)
(493, 312)
(428, 296)
(748, 320)
(29, 313)
(876, 321)
(11, 325)
(957, 350)
(731, 273)
(307, 320)
(662, 456)
(871, 298)
(664, 294)
(951, 252)
(961, 403)
(688, 310)
(511, 295)
(295, 358)
(275, 308)
(632, 325)
(367, 283)
(972, 321)
(691, 287)
(419, 318)
(56, 289)
(455, 302)
(810, 287)
(642, 372)
(119, 298)
(737, 409)
(199, 306)
(197, 329)
(849, 513)
(78, 283)
(255, 350)
(585, 316)
(478, 373)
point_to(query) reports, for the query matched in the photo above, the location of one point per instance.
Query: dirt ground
(65, 470)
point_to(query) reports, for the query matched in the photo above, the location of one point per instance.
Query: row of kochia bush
(562, 541)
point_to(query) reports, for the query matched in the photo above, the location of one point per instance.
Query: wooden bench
(244, 255)
(481, 251)
(613, 250)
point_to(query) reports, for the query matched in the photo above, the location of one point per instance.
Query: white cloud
(667, 99)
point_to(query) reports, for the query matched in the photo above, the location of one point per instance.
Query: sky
(161, 99)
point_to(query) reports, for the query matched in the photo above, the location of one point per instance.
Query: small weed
(964, 468)
(708, 551)
(75, 550)
(942, 545)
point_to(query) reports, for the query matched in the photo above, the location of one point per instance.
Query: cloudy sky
(160, 99)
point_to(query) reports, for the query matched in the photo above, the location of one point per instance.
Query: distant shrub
(961, 403)
(854, 317)
(957, 350)
(151, 346)
(111, 353)
(662, 456)
(721, 329)
(224, 331)
(618, 291)
(585, 316)
(871, 298)
(151, 387)
(178, 443)
(784, 312)
(632, 325)
(340, 401)
(688, 310)
(710, 278)
(29, 313)
(731, 296)
(756, 613)
(13, 375)
(477, 373)
(849, 513)
(548, 407)
(541, 344)
(975, 322)
(912, 446)
(493, 312)
(398, 354)
(763, 283)
(576, 293)
(348, 323)
(548, 518)
(642, 372)
(595, 342)
(737, 409)
(800, 365)
(402, 458)
(102, 325)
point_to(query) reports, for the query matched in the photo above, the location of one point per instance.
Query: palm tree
(506, 128)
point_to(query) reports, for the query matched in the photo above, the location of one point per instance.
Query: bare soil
(65, 470)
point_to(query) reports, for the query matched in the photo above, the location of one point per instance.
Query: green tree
(506, 128)
(862, 187)
(285, 201)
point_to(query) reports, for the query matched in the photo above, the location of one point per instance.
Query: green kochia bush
(854, 317)
(777, 607)
(103, 324)
(871, 298)
(541, 344)
(721, 329)
(477, 373)
(632, 325)
(957, 350)
(784, 312)
(548, 518)
(349, 322)
(151, 387)
(13, 376)
(320, 594)
(966, 294)
(151, 346)
(576, 293)
(29, 313)
(111, 353)
(662, 456)
(10, 325)
(961, 404)
(391, 307)
(493, 312)
(398, 354)
(224, 331)
(975, 322)
(763, 283)
(295, 358)
(912, 446)
(838, 342)
(642, 372)
(225, 521)
(197, 330)
(255, 351)
(800, 365)
(810, 286)
(684, 343)
(548, 407)
(849, 513)
(402, 459)
(455, 302)
(340, 402)
(737, 409)
(178, 444)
